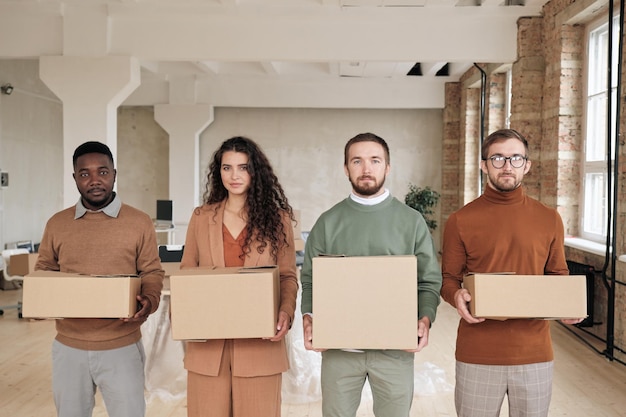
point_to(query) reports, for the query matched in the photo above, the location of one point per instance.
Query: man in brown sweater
(101, 236)
(502, 230)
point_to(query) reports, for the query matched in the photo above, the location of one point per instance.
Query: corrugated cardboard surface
(299, 244)
(22, 264)
(297, 227)
(365, 302)
(224, 303)
(59, 295)
(502, 296)
(170, 267)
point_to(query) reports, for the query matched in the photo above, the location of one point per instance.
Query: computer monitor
(25, 244)
(164, 212)
(22, 244)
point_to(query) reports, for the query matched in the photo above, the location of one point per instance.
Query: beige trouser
(226, 395)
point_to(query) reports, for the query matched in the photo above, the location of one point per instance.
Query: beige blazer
(204, 246)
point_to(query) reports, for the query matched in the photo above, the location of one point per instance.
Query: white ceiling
(337, 42)
(452, 68)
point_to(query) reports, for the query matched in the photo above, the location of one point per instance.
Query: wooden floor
(585, 384)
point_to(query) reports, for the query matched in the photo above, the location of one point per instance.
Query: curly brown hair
(265, 199)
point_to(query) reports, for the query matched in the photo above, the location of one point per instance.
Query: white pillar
(184, 123)
(91, 89)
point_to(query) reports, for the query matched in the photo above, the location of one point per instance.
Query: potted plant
(423, 200)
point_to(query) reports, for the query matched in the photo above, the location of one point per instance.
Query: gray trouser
(480, 389)
(119, 373)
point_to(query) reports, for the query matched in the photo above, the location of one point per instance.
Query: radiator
(576, 268)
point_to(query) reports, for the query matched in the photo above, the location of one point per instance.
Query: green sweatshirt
(388, 228)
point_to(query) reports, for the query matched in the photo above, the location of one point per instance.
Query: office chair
(6, 257)
(171, 253)
(300, 253)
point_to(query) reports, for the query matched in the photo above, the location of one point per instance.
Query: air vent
(444, 71)
(416, 70)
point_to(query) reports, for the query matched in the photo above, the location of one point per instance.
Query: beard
(96, 203)
(504, 185)
(366, 190)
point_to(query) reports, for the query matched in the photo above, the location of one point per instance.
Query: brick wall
(495, 103)
(470, 99)
(450, 178)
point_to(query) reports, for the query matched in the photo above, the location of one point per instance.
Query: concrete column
(91, 89)
(184, 123)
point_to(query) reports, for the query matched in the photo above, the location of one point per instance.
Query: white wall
(31, 141)
(306, 146)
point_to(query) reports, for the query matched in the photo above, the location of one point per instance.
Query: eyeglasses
(499, 161)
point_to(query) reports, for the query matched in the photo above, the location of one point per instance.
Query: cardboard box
(297, 227)
(299, 244)
(365, 302)
(170, 267)
(501, 296)
(52, 294)
(22, 264)
(224, 303)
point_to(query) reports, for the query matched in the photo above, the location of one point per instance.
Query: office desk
(168, 230)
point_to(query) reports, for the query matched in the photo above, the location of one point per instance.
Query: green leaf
(423, 200)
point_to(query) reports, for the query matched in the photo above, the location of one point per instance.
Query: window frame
(592, 217)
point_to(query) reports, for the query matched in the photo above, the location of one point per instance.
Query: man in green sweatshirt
(371, 222)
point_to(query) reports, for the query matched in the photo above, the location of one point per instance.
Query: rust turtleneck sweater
(502, 232)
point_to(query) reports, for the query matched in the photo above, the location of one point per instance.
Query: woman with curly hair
(245, 220)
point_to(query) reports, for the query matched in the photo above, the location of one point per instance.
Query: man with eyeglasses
(502, 230)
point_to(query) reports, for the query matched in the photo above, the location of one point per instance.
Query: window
(595, 173)
(507, 103)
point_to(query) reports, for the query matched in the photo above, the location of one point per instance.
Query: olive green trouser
(390, 375)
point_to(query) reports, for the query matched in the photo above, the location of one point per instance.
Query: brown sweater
(97, 244)
(502, 232)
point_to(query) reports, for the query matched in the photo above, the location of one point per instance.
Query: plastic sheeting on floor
(167, 379)
(301, 382)
(165, 376)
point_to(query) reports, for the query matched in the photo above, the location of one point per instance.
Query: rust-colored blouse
(233, 247)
